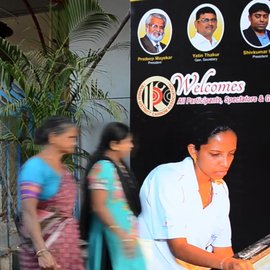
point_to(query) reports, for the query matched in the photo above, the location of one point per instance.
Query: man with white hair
(155, 25)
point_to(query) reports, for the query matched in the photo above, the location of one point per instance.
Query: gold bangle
(41, 251)
(113, 227)
(127, 240)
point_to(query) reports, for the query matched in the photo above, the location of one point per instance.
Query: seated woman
(185, 204)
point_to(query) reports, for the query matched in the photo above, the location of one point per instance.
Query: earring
(195, 159)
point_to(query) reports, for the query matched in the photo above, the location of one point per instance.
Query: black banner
(188, 74)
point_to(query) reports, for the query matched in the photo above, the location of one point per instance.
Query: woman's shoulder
(174, 168)
(37, 166)
(35, 162)
(105, 163)
(32, 170)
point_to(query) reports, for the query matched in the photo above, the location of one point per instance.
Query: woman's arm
(30, 221)
(98, 200)
(32, 226)
(220, 259)
(98, 204)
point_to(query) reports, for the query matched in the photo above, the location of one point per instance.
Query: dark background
(163, 139)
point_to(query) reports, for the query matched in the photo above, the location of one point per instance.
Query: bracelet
(127, 240)
(222, 262)
(114, 227)
(41, 251)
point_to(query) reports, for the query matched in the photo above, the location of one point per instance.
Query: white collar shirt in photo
(156, 45)
(202, 43)
(172, 208)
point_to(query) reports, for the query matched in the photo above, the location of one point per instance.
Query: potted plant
(52, 80)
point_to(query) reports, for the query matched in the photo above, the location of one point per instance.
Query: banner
(182, 63)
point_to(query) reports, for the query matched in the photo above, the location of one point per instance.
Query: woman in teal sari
(112, 205)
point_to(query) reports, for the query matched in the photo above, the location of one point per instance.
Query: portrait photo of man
(152, 41)
(256, 34)
(206, 25)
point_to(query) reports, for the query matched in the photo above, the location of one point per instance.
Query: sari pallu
(59, 230)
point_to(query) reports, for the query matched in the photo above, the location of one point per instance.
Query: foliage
(53, 80)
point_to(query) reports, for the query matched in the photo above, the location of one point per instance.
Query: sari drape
(59, 230)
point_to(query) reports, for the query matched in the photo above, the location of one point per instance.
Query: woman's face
(125, 146)
(215, 158)
(66, 141)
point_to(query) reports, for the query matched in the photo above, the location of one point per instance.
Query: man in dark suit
(257, 34)
(154, 27)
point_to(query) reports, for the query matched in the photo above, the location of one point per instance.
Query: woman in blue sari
(111, 204)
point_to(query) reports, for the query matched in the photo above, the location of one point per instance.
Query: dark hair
(258, 7)
(204, 10)
(114, 131)
(207, 124)
(53, 124)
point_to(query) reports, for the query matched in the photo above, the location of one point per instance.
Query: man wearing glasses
(154, 28)
(257, 34)
(206, 25)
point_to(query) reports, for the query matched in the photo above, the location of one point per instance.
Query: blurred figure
(154, 28)
(47, 195)
(256, 33)
(111, 205)
(185, 205)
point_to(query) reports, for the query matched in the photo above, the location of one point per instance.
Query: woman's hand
(128, 242)
(129, 245)
(236, 264)
(46, 261)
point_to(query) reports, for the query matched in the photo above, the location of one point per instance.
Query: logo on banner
(156, 96)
